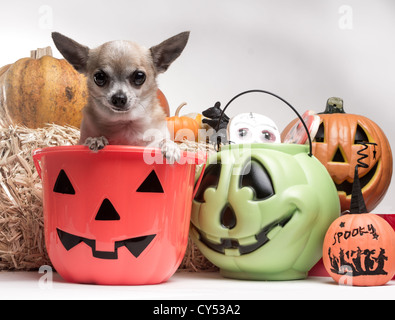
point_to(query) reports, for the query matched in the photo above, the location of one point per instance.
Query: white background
(303, 50)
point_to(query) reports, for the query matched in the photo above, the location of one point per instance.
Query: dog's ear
(168, 51)
(75, 53)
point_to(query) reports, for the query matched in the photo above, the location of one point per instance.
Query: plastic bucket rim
(281, 147)
(199, 157)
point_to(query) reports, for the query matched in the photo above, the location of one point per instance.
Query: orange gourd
(183, 128)
(40, 90)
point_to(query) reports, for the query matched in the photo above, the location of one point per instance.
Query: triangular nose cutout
(63, 184)
(338, 156)
(151, 185)
(107, 212)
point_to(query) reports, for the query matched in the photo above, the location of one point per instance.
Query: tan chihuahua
(123, 108)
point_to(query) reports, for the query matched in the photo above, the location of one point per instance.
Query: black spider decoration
(213, 116)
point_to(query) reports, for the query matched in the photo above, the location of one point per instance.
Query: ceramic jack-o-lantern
(338, 143)
(262, 211)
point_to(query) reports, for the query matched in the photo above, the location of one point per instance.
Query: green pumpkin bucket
(262, 210)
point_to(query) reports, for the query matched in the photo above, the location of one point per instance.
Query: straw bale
(22, 244)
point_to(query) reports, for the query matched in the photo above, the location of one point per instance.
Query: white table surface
(186, 286)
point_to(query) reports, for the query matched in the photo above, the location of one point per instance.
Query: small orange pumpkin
(183, 128)
(359, 247)
(359, 250)
(41, 90)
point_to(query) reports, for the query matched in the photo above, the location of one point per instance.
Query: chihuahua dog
(122, 81)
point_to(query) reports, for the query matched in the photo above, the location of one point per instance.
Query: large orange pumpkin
(345, 140)
(164, 103)
(41, 90)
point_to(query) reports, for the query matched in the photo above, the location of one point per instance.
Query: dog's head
(121, 75)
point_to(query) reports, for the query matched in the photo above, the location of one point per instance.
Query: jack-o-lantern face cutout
(339, 146)
(110, 218)
(262, 211)
(107, 212)
(346, 140)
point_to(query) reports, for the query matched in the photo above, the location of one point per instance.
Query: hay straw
(22, 243)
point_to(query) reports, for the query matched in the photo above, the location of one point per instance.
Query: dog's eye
(100, 78)
(138, 78)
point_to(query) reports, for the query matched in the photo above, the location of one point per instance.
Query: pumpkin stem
(39, 53)
(179, 109)
(358, 205)
(334, 105)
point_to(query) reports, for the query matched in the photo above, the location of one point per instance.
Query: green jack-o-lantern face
(262, 211)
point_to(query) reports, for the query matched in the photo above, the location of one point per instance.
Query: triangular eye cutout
(360, 136)
(63, 184)
(151, 185)
(338, 156)
(320, 136)
(107, 212)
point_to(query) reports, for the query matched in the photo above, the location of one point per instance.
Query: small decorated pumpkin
(344, 140)
(359, 247)
(359, 250)
(41, 90)
(183, 128)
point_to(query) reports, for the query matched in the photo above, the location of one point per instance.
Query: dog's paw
(96, 144)
(170, 151)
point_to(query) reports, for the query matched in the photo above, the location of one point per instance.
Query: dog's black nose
(119, 100)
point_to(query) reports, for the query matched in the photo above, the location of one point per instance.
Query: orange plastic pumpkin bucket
(112, 219)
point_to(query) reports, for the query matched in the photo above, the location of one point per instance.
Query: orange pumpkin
(345, 140)
(183, 128)
(163, 102)
(359, 250)
(41, 90)
(4, 69)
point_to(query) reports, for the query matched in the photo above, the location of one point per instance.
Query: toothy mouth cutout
(227, 244)
(136, 246)
(346, 186)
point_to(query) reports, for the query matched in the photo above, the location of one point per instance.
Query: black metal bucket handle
(276, 96)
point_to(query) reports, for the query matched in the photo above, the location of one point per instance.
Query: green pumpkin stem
(358, 205)
(334, 105)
